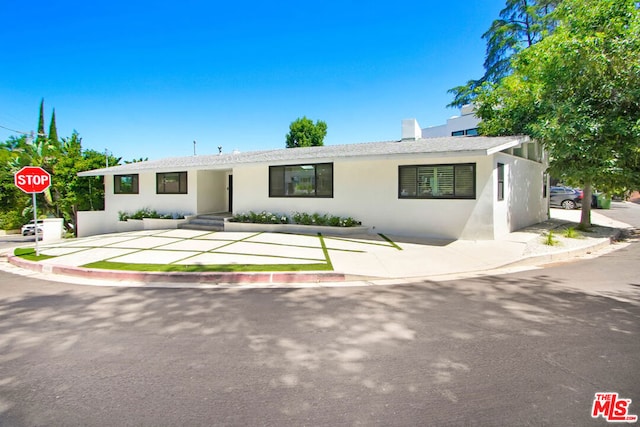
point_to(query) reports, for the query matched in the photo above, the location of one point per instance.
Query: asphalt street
(529, 348)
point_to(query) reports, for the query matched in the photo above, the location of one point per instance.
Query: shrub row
(147, 213)
(265, 217)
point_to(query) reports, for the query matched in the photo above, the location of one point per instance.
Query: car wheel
(568, 204)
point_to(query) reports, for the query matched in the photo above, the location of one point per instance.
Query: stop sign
(32, 179)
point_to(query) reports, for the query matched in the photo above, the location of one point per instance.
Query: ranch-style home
(454, 187)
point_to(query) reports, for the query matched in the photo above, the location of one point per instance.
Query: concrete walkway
(363, 259)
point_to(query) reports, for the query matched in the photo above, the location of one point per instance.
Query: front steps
(207, 222)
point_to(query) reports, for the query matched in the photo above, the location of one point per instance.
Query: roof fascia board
(507, 145)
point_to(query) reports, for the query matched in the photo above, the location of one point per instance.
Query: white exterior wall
(523, 204)
(147, 198)
(456, 123)
(367, 190)
(100, 222)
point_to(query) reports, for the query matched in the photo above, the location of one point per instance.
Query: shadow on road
(297, 355)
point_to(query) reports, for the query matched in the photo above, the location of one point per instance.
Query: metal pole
(35, 223)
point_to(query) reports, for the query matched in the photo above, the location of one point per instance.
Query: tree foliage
(521, 24)
(578, 92)
(63, 159)
(304, 133)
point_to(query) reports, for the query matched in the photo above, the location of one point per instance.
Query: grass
(571, 233)
(390, 241)
(549, 239)
(30, 254)
(325, 252)
(234, 268)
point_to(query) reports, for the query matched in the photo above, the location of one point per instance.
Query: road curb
(538, 259)
(178, 277)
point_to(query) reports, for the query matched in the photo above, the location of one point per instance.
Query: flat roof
(450, 146)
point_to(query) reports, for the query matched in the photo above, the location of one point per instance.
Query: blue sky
(146, 79)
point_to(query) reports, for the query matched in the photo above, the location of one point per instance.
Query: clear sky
(146, 79)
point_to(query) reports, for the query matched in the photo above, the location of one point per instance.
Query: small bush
(263, 217)
(11, 220)
(549, 239)
(571, 233)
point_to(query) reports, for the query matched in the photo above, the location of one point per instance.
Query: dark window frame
(117, 184)
(500, 181)
(274, 169)
(466, 132)
(183, 187)
(432, 197)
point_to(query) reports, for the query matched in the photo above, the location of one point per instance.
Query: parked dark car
(565, 197)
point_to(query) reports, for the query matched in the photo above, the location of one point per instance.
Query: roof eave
(511, 144)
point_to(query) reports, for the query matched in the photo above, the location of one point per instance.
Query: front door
(231, 193)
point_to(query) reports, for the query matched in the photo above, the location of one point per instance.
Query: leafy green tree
(304, 133)
(521, 24)
(578, 92)
(14, 203)
(63, 159)
(136, 160)
(91, 188)
(71, 192)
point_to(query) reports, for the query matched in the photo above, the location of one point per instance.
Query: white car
(29, 228)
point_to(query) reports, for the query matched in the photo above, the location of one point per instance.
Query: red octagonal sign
(32, 179)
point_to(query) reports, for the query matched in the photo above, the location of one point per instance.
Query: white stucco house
(466, 124)
(465, 187)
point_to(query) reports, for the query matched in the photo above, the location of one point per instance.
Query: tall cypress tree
(41, 135)
(53, 130)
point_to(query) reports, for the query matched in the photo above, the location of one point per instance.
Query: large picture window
(171, 183)
(125, 184)
(437, 181)
(312, 180)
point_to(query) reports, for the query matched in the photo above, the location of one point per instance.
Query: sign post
(32, 180)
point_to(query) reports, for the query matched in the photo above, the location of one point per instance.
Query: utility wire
(21, 132)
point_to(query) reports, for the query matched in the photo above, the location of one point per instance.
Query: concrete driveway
(366, 258)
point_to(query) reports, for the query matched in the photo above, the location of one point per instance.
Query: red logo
(611, 408)
(32, 179)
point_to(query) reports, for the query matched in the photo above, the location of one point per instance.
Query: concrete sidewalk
(363, 259)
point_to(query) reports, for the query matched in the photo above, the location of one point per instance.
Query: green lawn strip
(326, 252)
(190, 268)
(30, 254)
(390, 241)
